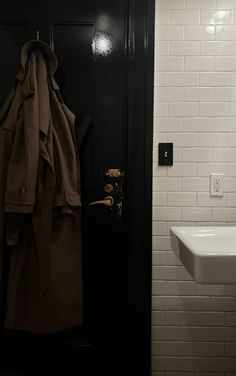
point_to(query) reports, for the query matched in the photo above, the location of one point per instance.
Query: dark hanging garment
(40, 200)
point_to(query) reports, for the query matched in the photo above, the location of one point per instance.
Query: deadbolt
(108, 188)
(114, 173)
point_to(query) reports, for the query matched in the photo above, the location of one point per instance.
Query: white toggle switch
(217, 185)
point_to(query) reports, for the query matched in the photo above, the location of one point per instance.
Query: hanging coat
(40, 200)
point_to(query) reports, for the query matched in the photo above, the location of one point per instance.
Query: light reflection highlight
(210, 29)
(220, 17)
(102, 44)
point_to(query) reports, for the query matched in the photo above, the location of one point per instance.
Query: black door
(104, 50)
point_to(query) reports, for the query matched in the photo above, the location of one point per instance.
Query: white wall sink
(208, 253)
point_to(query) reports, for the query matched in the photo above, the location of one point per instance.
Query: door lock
(108, 188)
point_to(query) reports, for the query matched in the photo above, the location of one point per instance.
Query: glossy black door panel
(73, 47)
(105, 65)
(12, 34)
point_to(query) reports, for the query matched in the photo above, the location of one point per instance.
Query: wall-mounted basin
(208, 253)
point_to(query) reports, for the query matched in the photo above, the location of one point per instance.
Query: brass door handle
(108, 201)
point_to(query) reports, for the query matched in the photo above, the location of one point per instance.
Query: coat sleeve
(6, 140)
(23, 163)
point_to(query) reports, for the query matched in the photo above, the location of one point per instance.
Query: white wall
(194, 330)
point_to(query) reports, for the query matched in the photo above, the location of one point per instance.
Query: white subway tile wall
(193, 326)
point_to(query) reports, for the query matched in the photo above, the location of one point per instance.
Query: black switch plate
(165, 153)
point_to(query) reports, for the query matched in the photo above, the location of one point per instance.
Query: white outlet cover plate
(217, 189)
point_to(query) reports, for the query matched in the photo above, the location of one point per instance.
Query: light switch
(165, 151)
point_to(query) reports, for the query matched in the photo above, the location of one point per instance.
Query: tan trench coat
(40, 200)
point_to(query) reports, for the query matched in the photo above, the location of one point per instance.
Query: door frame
(138, 200)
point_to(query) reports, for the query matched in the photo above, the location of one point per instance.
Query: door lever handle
(108, 201)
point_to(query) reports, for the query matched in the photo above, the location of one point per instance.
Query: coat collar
(49, 55)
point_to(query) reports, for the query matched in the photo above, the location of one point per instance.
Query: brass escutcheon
(108, 188)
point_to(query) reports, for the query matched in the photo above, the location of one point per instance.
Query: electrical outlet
(217, 185)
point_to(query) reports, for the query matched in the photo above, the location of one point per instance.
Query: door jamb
(138, 205)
